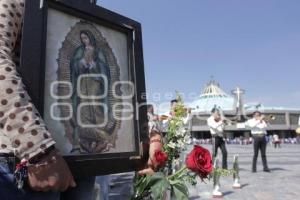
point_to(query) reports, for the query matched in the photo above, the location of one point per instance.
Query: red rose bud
(199, 161)
(160, 157)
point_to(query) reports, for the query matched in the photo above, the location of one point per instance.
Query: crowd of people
(249, 140)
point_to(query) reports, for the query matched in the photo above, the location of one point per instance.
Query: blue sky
(252, 44)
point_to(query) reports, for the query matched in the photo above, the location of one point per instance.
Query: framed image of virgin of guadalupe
(83, 68)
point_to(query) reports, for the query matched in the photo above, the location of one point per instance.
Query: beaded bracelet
(21, 174)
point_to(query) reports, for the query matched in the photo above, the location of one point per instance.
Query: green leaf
(159, 184)
(156, 177)
(141, 186)
(180, 190)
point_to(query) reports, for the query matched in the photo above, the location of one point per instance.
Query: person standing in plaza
(165, 118)
(276, 141)
(154, 120)
(216, 125)
(258, 128)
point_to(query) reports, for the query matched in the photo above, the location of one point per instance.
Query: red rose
(199, 161)
(160, 157)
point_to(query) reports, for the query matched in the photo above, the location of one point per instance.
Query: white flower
(172, 145)
(180, 132)
(180, 144)
(186, 138)
(179, 123)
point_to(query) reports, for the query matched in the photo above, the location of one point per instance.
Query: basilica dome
(212, 96)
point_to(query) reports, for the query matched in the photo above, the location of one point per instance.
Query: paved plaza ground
(283, 183)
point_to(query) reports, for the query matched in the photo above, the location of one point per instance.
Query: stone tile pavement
(283, 183)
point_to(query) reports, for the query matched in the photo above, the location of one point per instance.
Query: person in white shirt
(165, 118)
(154, 121)
(276, 141)
(258, 128)
(187, 110)
(216, 125)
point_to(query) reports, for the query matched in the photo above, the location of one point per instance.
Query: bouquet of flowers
(166, 178)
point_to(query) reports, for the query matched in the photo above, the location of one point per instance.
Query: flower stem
(178, 172)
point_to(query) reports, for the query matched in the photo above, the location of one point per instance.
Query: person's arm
(187, 118)
(25, 130)
(262, 124)
(213, 124)
(22, 130)
(155, 145)
(247, 124)
(252, 123)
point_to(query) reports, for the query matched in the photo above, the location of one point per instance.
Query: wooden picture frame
(67, 40)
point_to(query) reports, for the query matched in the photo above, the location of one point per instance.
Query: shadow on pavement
(278, 169)
(244, 185)
(227, 193)
(243, 169)
(194, 197)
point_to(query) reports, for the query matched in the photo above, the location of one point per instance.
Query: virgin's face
(85, 39)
